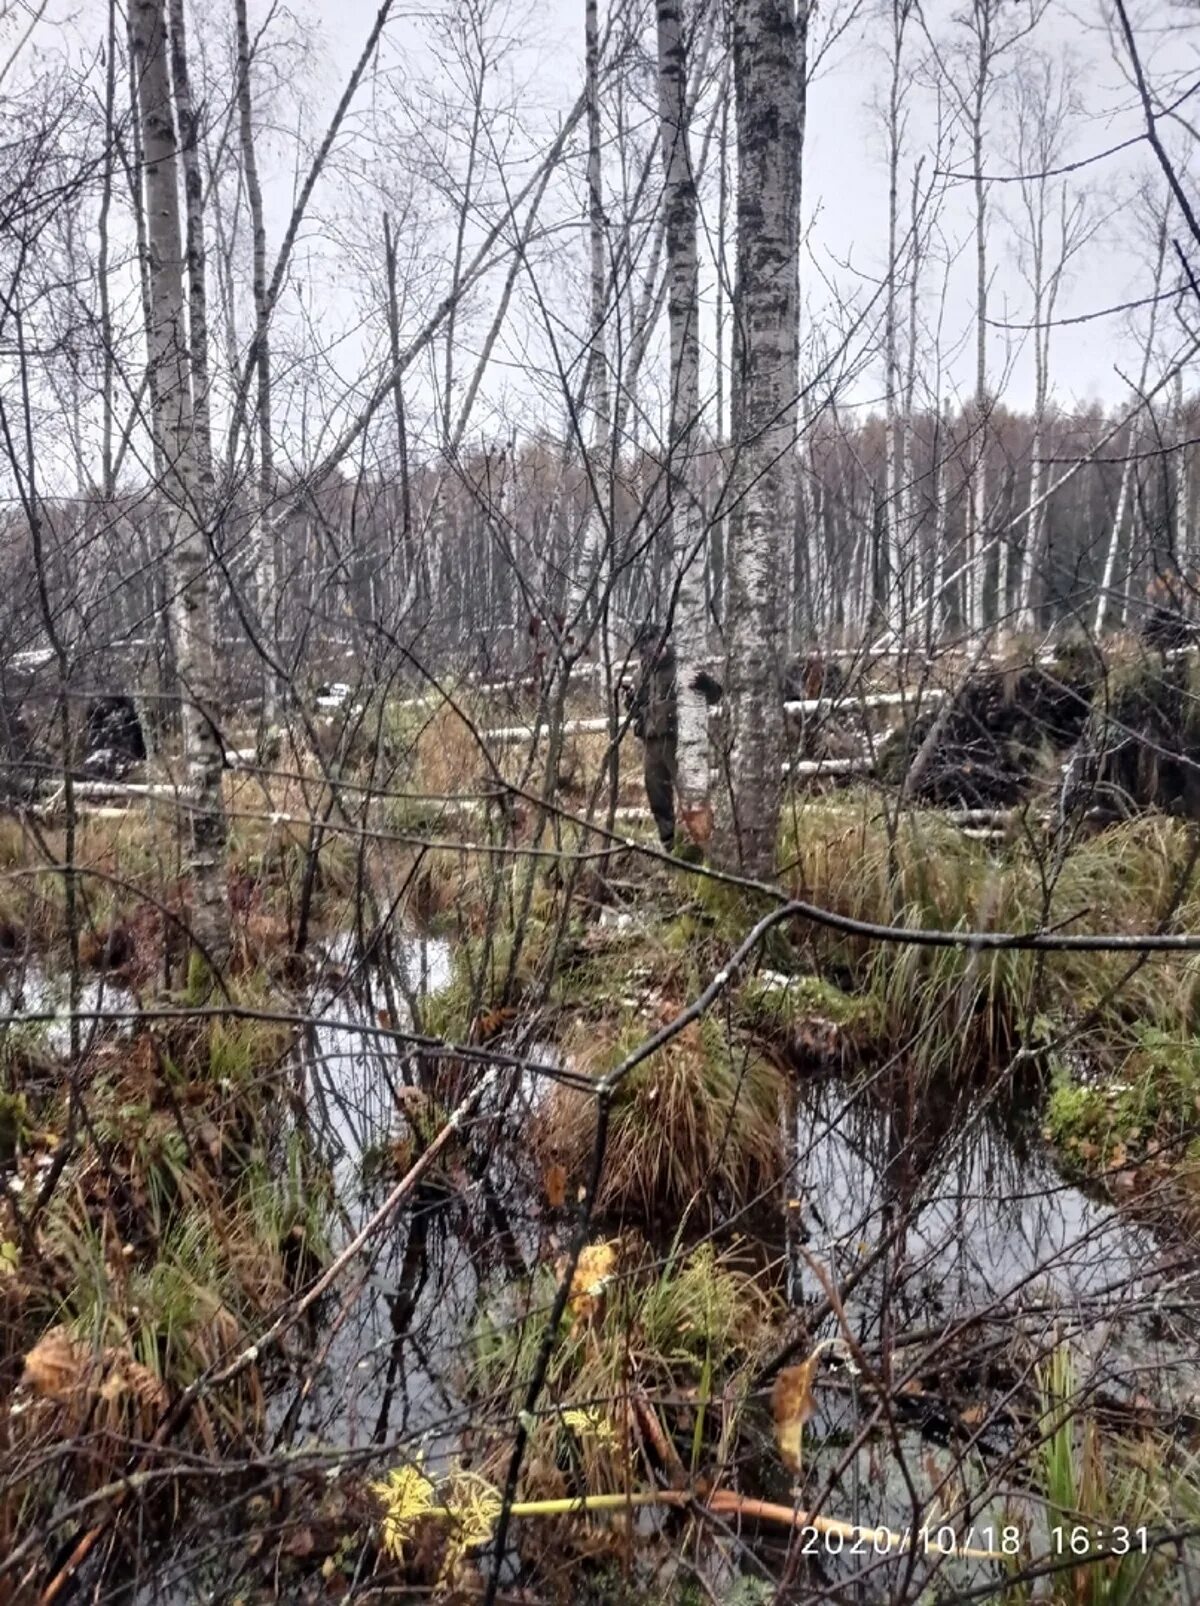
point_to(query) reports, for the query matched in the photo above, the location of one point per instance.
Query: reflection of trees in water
(992, 1261)
(390, 1362)
(972, 1211)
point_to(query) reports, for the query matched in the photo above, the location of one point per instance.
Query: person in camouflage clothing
(653, 706)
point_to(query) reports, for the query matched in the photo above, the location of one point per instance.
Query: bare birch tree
(1104, 595)
(1053, 226)
(766, 77)
(685, 511)
(993, 29)
(173, 427)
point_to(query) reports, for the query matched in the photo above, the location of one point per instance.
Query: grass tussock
(953, 1007)
(191, 1213)
(694, 1127)
(650, 1375)
(1092, 1484)
(130, 882)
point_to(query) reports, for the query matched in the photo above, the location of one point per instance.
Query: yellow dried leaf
(792, 1404)
(475, 1505)
(406, 1494)
(593, 1273)
(590, 1424)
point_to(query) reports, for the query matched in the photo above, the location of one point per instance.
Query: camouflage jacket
(654, 706)
(653, 703)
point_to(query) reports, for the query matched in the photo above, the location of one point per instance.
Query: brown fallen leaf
(555, 1184)
(56, 1367)
(490, 1023)
(698, 822)
(300, 1543)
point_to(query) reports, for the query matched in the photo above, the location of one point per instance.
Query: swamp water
(991, 1231)
(993, 1244)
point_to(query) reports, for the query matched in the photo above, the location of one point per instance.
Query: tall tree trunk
(264, 541)
(939, 565)
(895, 557)
(596, 534)
(977, 505)
(175, 440)
(685, 513)
(108, 480)
(1114, 537)
(766, 74)
(1181, 531)
(718, 533)
(412, 567)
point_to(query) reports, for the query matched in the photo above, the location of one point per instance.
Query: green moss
(199, 981)
(14, 1124)
(771, 1002)
(1076, 1114)
(1152, 1098)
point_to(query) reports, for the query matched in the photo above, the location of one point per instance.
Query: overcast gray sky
(845, 186)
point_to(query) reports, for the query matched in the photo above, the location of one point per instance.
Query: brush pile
(1004, 731)
(1141, 746)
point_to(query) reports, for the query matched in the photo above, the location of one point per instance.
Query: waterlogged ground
(997, 1259)
(965, 1255)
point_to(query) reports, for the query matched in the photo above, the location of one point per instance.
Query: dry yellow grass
(696, 1123)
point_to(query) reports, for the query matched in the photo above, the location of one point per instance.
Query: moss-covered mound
(1005, 730)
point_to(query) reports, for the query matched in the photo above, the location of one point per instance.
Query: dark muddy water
(986, 1241)
(990, 1231)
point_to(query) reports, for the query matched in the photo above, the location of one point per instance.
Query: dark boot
(660, 786)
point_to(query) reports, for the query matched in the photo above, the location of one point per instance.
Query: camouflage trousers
(659, 771)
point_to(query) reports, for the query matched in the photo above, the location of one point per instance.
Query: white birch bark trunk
(263, 539)
(720, 436)
(596, 533)
(768, 100)
(977, 504)
(1181, 531)
(894, 612)
(909, 522)
(1037, 511)
(174, 434)
(1033, 525)
(685, 512)
(1114, 537)
(939, 563)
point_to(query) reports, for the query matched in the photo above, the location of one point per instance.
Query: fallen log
(850, 701)
(507, 735)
